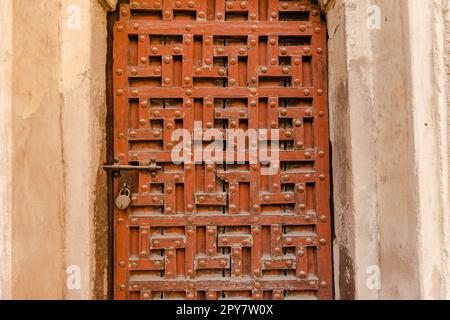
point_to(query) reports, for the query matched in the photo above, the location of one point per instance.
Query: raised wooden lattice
(207, 230)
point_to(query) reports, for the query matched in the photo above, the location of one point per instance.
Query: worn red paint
(197, 231)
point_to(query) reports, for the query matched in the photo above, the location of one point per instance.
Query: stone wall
(53, 202)
(390, 152)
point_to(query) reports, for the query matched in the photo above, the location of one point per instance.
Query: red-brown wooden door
(212, 230)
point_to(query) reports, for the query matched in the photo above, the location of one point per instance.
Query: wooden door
(186, 73)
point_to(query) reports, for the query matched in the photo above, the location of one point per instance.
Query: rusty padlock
(123, 201)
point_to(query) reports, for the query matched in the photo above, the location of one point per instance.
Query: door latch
(152, 167)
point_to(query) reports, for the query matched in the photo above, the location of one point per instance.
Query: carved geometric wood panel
(218, 230)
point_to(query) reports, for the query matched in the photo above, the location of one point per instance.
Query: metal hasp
(208, 231)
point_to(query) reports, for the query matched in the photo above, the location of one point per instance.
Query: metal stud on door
(218, 229)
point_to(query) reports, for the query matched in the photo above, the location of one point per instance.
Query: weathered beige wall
(38, 179)
(392, 131)
(6, 52)
(52, 128)
(446, 75)
(447, 59)
(83, 130)
(430, 107)
(389, 149)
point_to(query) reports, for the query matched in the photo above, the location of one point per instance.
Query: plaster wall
(388, 129)
(52, 128)
(6, 54)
